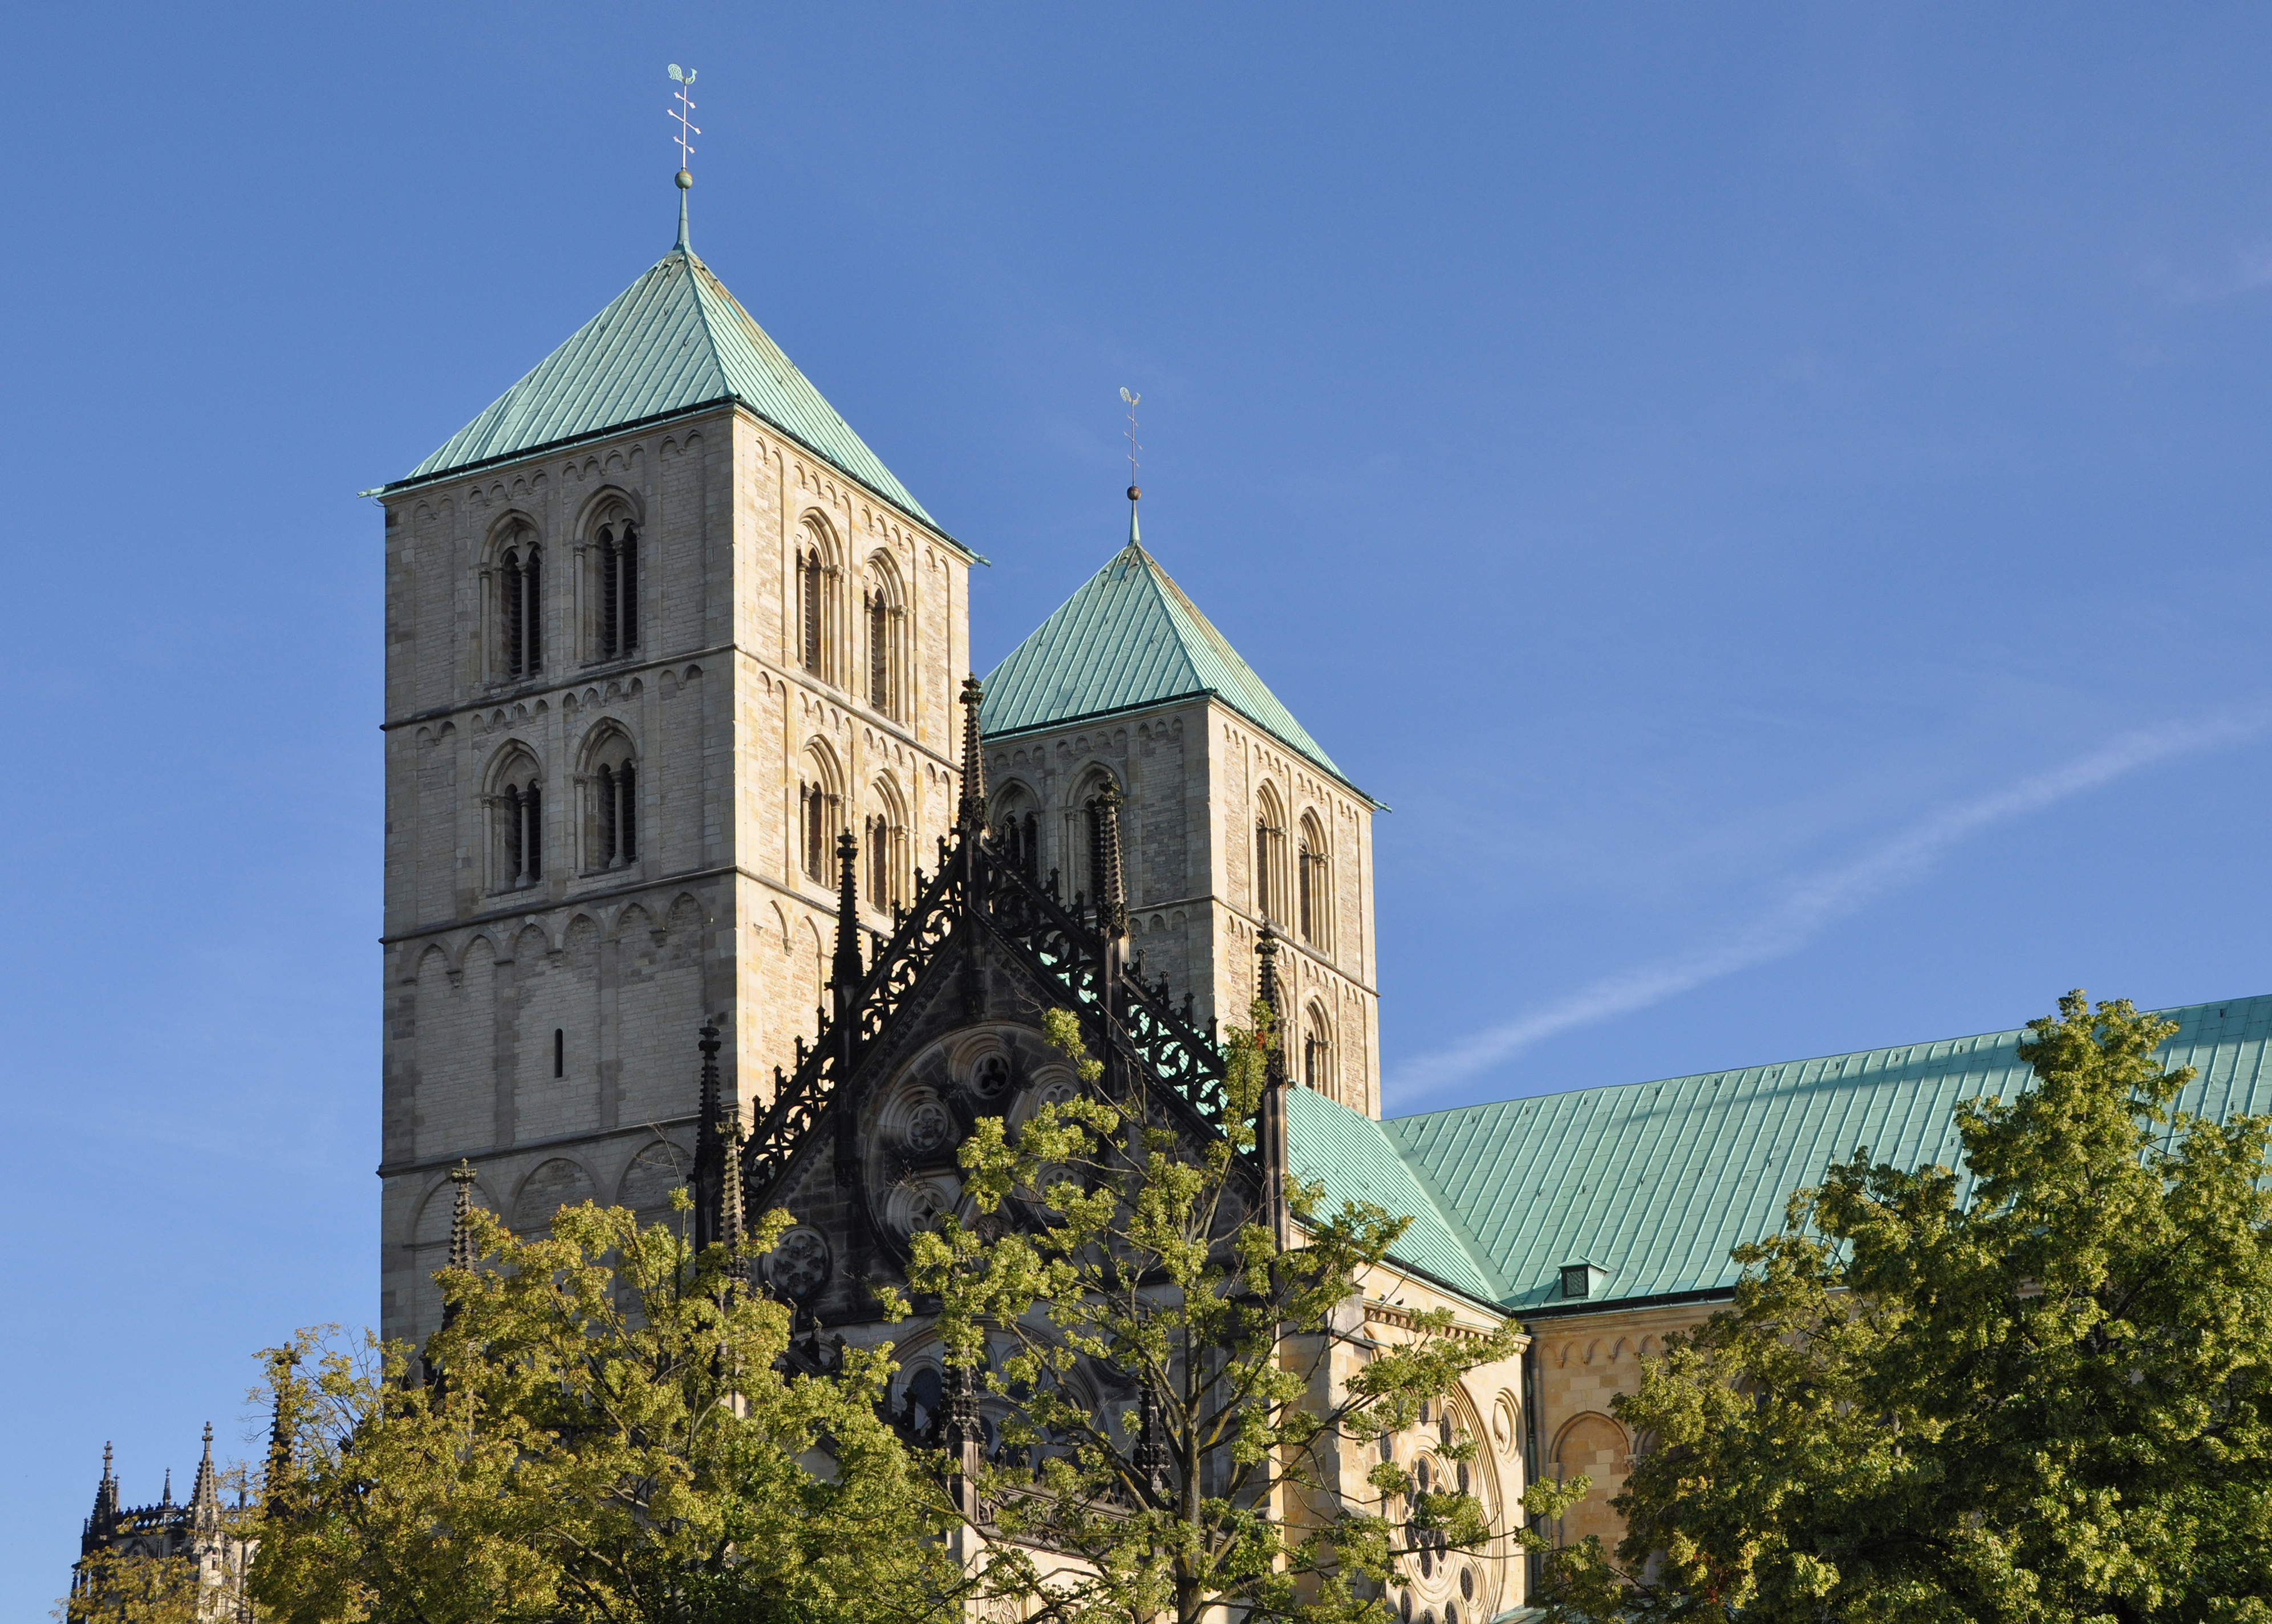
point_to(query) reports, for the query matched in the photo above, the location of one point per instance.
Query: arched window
(885, 629)
(884, 849)
(816, 631)
(1269, 857)
(1085, 841)
(516, 824)
(1318, 1053)
(616, 597)
(611, 781)
(520, 600)
(1313, 885)
(1016, 830)
(818, 804)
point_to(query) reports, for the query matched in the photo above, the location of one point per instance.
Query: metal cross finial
(1133, 448)
(681, 113)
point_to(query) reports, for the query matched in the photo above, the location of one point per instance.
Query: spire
(709, 1179)
(1135, 537)
(207, 1490)
(847, 968)
(1270, 1112)
(279, 1424)
(166, 1498)
(106, 1497)
(685, 185)
(461, 1215)
(972, 813)
(1104, 860)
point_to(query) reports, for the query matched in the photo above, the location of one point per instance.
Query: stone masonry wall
(714, 916)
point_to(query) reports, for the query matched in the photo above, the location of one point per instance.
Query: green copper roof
(1129, 639)
(1353, 1157)
(1655, 1182)
(673, 341)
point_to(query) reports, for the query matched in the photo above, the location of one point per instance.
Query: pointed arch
(1016, 822)
(1083, 828)
(1319, 1072)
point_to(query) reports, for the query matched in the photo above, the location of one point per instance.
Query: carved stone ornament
(798, 1267)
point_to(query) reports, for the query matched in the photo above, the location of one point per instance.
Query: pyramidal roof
(672, 342)
(1128, 640)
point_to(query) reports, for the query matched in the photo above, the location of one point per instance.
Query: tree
(116, 1589)
(2041, 1393)
(1229, 1469)
(613, 1435)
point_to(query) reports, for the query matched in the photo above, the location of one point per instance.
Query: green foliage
(2047, 1398)
(1148, 1264)
(133, 1589)
(613, 1439)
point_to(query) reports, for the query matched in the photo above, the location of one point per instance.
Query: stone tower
(659, 626)
(1231, 815)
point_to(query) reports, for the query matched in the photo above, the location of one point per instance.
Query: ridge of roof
(1129, 637)
(676, 340)
(1655, 1182)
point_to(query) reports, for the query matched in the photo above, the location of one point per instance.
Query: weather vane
(1133, 448)
(681, 113)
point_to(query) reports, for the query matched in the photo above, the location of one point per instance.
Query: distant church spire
(207, 1489)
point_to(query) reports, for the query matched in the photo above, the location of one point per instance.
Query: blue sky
(1773, 497)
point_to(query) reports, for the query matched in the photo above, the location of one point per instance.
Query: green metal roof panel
(1131, 638)
(1347, 1152)
(673, 341)
(1655, 1182)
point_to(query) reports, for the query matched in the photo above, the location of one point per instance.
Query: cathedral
(682, 730)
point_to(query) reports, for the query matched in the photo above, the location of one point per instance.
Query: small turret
(1270, 1114)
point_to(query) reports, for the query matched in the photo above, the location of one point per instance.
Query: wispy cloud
(1818, 900)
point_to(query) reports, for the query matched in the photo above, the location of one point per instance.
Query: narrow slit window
(559, 1051)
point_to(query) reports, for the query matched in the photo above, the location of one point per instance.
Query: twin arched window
(1017, 832)
(813, 574)
(886, 624)
(517, 826)
(616, 600)
(1314, 887)
(818, 809)
(1269, 858)
(521, 606)
(1317, 1052)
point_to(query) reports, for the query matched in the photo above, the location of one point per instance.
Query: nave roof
(1655, 1182)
